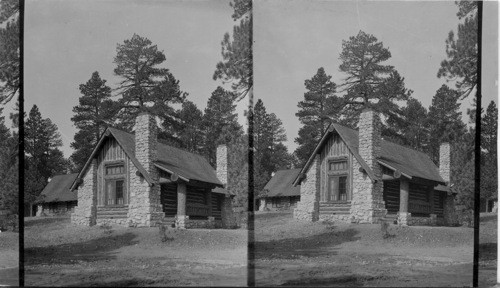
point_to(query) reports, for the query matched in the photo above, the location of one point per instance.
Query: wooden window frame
(337, 174)
(115, 178)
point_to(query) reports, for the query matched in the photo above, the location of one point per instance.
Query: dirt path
(296, 253)
(59, 254)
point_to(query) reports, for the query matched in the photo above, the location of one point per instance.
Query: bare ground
(60, 254)
(298, 253)
(9, 258)
(488, 250)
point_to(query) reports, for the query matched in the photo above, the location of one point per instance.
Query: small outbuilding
(279, 193)
(57, 198)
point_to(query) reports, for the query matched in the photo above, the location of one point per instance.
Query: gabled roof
(188, 166)
(57, 190)
(281, 184)
(409, 162)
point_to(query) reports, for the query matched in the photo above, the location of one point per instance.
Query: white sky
(65, 41)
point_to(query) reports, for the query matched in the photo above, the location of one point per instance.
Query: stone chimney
(145, 205)
(367, 204)
(444, 161)
(369, 138)
(146, 141)
(221, 159)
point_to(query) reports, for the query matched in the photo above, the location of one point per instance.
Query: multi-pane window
(337, 175)
(337, 165)
(114, 184)
(115, 169)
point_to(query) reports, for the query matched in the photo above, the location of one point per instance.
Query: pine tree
(369, 83)
(271, 154)
(445, 120)
(236, 65)
(191, 134)
(8, 169)
(461, 52)
(489, 161)
(411, 128)
(220, 122)
(9, 50)
(144, 85)
(93, 115)
(319, 107)
(43, 158)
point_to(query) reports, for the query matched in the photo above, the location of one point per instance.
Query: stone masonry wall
(145, 206)
(116, 221)
(449, 212)
(227, 213)
(308, 206)
(444, 161)
(335, 217)
(86, 211)
(221, 159)
(367, 205)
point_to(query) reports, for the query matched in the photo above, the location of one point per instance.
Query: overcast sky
(65, 41)
(293, 38)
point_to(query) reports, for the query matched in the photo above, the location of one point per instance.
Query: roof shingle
(281, 184)
(58, 189)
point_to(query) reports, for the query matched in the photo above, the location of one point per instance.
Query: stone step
(170, 221)
(114, 207)
(334, 208)
(112, 212)
(340, 204)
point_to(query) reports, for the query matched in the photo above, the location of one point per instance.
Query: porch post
(432, 215)
(180, 218)
(209, 200)
(404, 190)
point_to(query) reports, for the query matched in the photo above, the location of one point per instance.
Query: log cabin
(356, 176)
(134, 180)
(56, 197)
(280, 193)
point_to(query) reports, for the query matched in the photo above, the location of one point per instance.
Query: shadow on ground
(338, 281)
(118, 283)
(45, 220)
(311, 246)
(92, 250)
(488, 218)
(487, 251)
(9, 276)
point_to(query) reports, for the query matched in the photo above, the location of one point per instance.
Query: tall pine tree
(369, 82)
(8, 169)
(411, 128)
(9, 50)
(445, 120)
(220, 122)
(93, 115)
(271, 154)
(489, 161)
(43, 158)
(144, 85)
(319, 107)
(460, 65)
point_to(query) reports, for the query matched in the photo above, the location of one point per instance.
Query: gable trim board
(405, 164)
